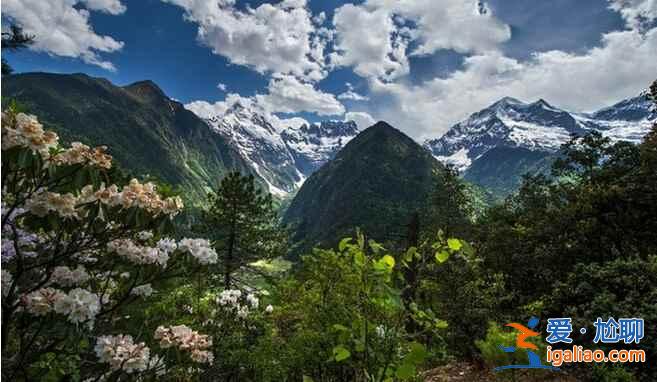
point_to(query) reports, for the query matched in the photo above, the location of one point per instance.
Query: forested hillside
(146, 131)
(377, 182)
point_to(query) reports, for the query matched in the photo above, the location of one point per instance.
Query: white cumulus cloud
(62, 27)
(285, 94)
(374, 37)
(272, 38)
(619, 68)
(363, 120)
(368, 40)
(352, 95)
(635, 12)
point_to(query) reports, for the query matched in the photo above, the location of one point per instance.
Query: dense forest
(108, 278)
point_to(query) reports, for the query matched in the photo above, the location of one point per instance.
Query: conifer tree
(14, 39)
(244, 227)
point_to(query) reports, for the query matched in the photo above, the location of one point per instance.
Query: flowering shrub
(77, 252)
(121, 353)
(186, 339)
(96, 285)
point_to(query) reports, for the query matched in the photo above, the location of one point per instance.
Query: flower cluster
(141, 254)
(145, 235)
(231, 299)
(7, 281)
(142, 290)
(200, 249)
(186, 339)
(15, 238)
(66, 276)
(79, 304)
(138, 254)
(167, 245)
(121, 353)
(42, 301)
(23, 130)
(380, 331)
(43, 202)
(82, 154)
(134, 194)
(144, 196)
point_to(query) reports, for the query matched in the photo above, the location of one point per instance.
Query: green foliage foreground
(97, 285)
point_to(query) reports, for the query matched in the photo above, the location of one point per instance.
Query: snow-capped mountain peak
(282, 157)
(537, 126)
(314, 144)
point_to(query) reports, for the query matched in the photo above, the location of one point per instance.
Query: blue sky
(422, 65)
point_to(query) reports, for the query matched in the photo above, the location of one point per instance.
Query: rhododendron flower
(186, 339)
(121, 353)
(79, 305)
(200, 249)
(253, 300)
(167, 245)
(138, 254)
(26, 131)
(145, 235)
(7, 280)
(64, 276)
(142, 290)
(42, 301)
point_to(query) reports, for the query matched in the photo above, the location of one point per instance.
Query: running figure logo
(521, 343)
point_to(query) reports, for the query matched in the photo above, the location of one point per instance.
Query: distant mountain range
(495, 146)
(149, 133)
(284, 158)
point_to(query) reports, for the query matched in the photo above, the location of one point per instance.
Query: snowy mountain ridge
(537, 126)
(282, 157)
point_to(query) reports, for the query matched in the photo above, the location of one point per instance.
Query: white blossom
(7, 280)
(138, 254)
(200, 249)
(44, 202)
(253, 300)
(42, 301)
(186, 339)
(145, 235)
(23, 130)
(79, 305)
(64, 276)
(121, 353)
(167, 245)
(229, 297)
(142, 290)
(380, 331)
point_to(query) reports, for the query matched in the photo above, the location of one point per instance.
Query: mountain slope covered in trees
(148, 133)
(376, 182)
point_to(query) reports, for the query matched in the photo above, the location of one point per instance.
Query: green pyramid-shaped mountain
(376, 182)
(147, 133)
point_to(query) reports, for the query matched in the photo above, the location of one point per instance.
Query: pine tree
(13, 40)
(244, 226)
